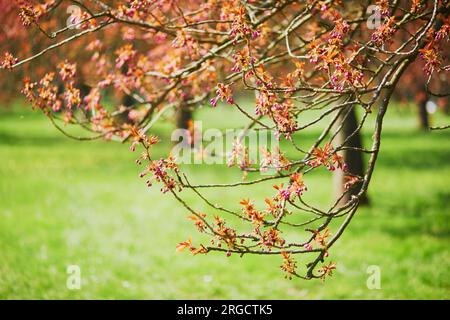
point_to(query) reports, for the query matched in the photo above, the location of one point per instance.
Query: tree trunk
(184, 117)
(421, 98)
(353, 159)
(84, 89)
(184, 121)
(424, 122)
(127, 101)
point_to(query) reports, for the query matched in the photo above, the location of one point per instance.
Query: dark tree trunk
(353, 159)
(84, 89)
(184, 117)
(184, 120)
(127, 101)
(424, 122)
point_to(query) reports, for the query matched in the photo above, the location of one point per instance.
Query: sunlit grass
(65, 202)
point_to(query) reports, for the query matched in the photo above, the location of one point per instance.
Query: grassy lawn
(65, 202)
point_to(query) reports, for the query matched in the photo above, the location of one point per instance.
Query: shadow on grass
(421, 215)
(36, 140)
(423, 159)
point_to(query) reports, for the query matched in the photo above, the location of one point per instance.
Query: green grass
(65, 202)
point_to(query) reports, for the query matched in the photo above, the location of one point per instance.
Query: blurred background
(65, 202)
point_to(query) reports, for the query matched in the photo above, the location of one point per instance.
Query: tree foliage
(295, 56)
